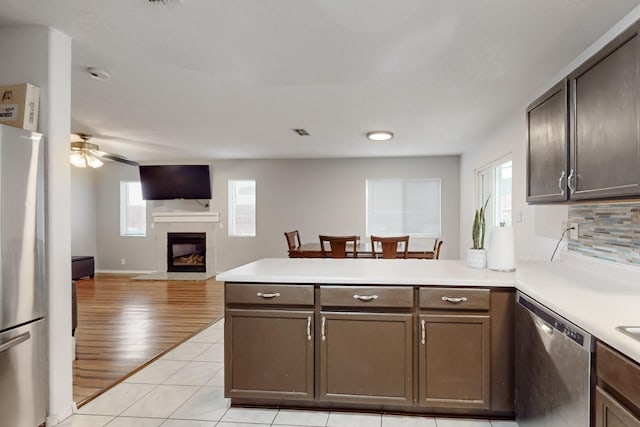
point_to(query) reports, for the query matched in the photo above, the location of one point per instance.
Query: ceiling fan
(84, 153)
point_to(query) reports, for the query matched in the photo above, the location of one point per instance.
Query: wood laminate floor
(124, 324)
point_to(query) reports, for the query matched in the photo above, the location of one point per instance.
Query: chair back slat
(390, 247)
(339, 246)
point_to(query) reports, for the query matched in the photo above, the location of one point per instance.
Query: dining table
(418, 249)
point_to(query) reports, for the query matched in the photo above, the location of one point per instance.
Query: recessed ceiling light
(98, 74)
(379, 135)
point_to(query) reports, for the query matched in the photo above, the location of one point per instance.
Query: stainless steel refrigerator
(23, 331)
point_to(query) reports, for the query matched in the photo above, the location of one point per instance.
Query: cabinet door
(269, 354)
(366, 357)
(454, 361)
(610, 413)
(605, 106)
(547, 147)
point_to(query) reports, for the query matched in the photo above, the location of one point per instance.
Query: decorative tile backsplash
(607, 231)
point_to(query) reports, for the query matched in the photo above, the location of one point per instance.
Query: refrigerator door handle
(14, 341)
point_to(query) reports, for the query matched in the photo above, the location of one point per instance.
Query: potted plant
(477, 255)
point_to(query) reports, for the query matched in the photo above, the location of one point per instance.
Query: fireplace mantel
(186, 217)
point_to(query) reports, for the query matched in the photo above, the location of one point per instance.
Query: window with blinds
(403, 206)
(242, 208)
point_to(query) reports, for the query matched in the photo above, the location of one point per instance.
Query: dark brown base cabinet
(366, 358)
(617, 394)
(426, 350)
(455, 363)
(272, 354)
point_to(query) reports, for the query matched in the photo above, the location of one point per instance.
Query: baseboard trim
(55, 419)
(125, 271)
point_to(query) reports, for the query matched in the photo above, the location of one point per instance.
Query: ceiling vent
(301, 132)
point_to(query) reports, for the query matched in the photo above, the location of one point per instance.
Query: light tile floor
(184, 388)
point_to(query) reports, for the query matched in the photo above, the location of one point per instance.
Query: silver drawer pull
(424, 332)
(454, 300)
(268, 296)
(322, 329)
(309, 328)
(366, 297)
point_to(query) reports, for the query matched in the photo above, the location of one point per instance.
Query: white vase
(476, 258)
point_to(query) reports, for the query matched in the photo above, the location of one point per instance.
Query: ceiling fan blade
(120, 159)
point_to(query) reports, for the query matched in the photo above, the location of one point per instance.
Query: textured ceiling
(231, 78)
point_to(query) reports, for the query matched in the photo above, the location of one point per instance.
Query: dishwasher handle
(550, 322)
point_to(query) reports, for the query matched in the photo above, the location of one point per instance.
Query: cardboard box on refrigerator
(19, 106)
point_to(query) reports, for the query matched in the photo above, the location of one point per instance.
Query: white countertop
(595, 295)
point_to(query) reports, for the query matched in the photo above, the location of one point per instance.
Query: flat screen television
(169, 182)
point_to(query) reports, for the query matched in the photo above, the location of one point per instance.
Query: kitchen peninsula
(388, 335)
(414, 336)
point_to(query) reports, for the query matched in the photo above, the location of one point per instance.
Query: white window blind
(403, 206)
(242, 208)
(133, 210)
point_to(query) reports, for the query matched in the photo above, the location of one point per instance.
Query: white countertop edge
(366, 272)
(346, 280)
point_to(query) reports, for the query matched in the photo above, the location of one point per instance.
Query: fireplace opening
(186, 252)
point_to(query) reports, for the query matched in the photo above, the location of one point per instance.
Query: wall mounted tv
(169, 182)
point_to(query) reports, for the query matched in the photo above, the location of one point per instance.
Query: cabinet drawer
(455, 298)
(366, 296)
(610, 412)
(253, 293)
(618, 372)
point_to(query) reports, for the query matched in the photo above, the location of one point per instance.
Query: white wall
(83, 212)
(322, 196)
(42, 56)
(138, 252)
(541, 226)
(314, 196)
(536, 234)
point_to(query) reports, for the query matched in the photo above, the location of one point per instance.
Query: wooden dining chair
(340, 246)
(436, 249)
(293, 241)
(390, 247)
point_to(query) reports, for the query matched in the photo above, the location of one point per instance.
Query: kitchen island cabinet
(365, 339)
(465, 352)
(366, 357)
(269, 332)
(366, 351)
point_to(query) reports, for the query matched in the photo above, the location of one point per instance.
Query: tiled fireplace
(185, 245)
(186, 252)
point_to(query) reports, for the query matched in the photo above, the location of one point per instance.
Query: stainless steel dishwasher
(553, 367)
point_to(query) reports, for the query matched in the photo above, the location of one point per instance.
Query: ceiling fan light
(93, 161)
(78, 160)
(379, 135)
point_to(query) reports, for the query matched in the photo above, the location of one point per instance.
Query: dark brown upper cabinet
(605, 118)
(584, 134)
(547, 147)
